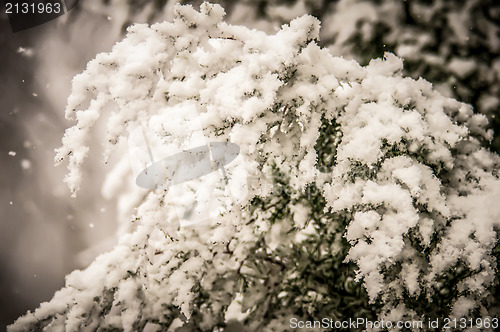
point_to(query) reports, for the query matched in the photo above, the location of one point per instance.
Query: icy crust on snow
(420, 190)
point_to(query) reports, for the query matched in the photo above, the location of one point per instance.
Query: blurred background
(45, 234)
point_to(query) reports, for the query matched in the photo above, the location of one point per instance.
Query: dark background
(43, 232)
